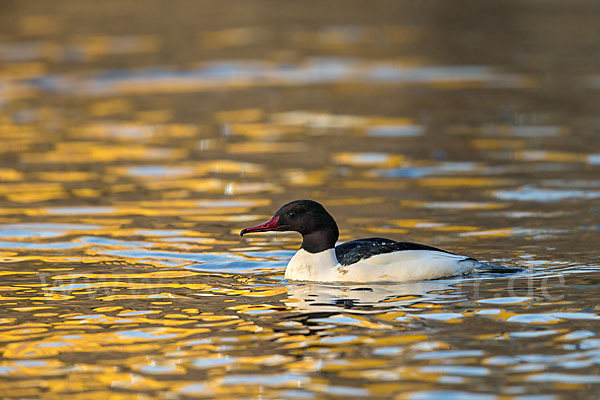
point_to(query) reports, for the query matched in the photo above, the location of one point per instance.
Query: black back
(356, 250)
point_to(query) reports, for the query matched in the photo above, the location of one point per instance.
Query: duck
(374, 259)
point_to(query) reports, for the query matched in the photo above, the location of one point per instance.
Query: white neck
(305, 266)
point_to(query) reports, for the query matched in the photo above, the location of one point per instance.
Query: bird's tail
(480, 266)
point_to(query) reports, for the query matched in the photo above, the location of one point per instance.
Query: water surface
(139, 139)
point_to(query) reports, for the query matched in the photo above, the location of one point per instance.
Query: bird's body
(408, 265)
(362, 260)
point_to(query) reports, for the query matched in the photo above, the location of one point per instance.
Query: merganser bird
(362, 260)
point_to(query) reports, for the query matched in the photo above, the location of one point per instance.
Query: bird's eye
(291, 214)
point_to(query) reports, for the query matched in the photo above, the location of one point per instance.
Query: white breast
(399, 266)
(317, 267)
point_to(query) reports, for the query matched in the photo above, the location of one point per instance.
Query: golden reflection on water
(134, 152)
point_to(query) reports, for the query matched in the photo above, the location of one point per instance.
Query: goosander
(362, 260)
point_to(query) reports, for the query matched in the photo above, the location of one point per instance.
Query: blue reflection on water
(264, 380)
(445, 354)
(113, 242)
(212, 262)
(137, 334)
(532, 193)
(457, 370)
(75, 286)
(310, 71)
(395, 130)
(39, 246)
(565, 378)
(157, 369)
(55, 344)
(419, 172)
(201, 257)
(41, 230)
(213, 362)
(450, 395)
(151, 171)
(6, 370)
